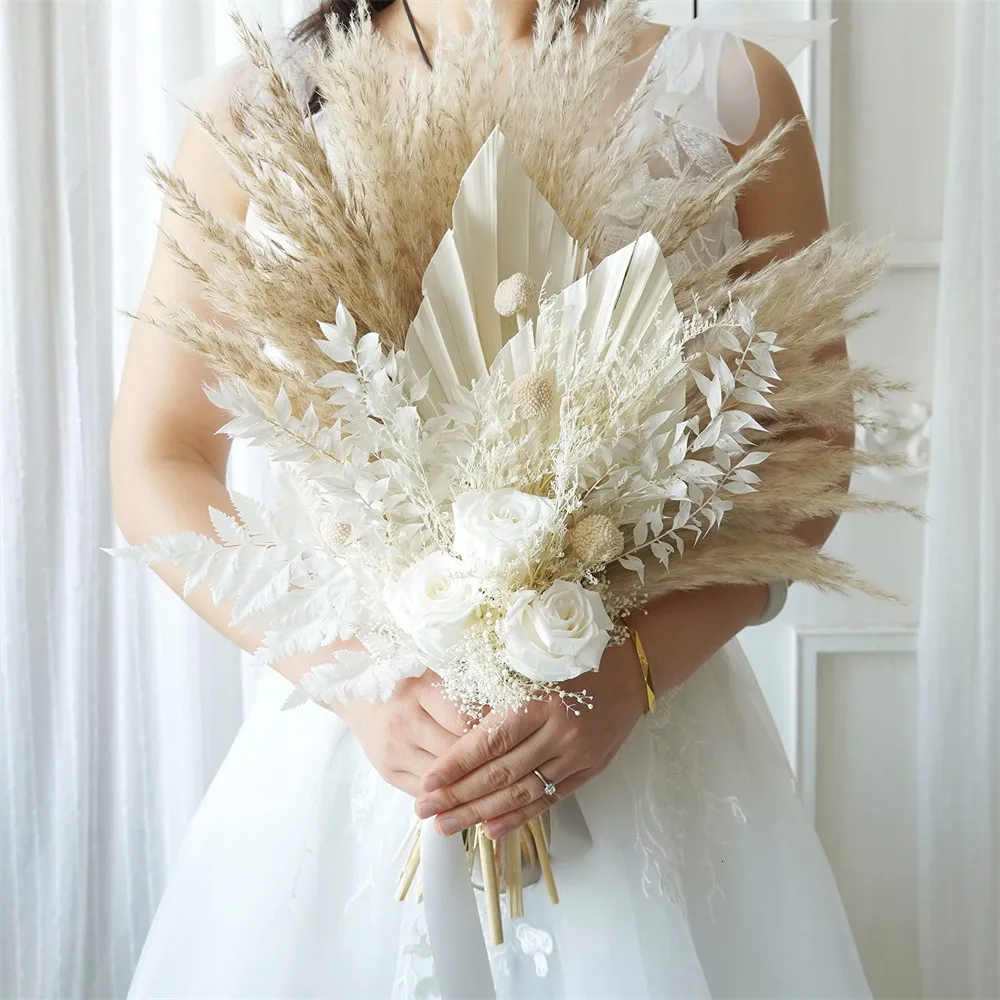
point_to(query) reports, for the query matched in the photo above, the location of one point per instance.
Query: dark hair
(316, 25)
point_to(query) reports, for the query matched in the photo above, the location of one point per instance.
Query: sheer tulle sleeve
(704, 77)
(212, 91)
(707, 82)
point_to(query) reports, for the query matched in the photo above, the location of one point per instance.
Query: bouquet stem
(487, 861)
(512, 874)
(538, 835)
(409, 870)
(502, 869)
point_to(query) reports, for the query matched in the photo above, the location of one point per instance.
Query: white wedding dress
(704, 879)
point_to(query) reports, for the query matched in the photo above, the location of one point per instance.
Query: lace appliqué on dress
(674, 805)
(416, 978)
(537, 944)
(685, 151)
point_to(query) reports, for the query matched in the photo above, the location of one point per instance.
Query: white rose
(434, 601)
(557, 635)
(495, 528)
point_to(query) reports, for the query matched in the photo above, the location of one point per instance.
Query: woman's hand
(404, 736)
(487, 775)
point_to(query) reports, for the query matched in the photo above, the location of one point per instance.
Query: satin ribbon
(454, 932)
(461, 962)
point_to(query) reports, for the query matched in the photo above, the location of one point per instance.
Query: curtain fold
(117, 703)
(959, 647)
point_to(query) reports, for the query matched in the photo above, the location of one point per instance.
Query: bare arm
(790, 200)
(168, 464)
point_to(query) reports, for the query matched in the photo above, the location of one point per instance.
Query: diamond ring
(548, 788)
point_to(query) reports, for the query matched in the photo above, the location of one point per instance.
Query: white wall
(840, 673)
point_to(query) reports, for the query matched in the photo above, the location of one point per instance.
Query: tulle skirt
(704, 878)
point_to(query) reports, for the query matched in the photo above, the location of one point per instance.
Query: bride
(702, 878)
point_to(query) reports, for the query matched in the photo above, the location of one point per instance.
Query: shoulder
(788, 197)
(647, 39)
(199, 160)
(779, 100)
(774, 84)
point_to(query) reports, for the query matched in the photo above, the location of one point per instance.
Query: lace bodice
(698, 154)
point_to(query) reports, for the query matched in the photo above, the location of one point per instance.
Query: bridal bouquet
(489, 444)
(461, 506)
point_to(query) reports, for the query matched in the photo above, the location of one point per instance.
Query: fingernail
(427, 808)
(449, 826)
(433, 781)
(496, 832)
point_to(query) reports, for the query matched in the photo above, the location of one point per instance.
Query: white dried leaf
(745, 317)
(722, 374)
(370, 351)
(229, 530)
(708, 437)
(282, 407)
(703, 382)
(661, 551)
(310, 423)
(678, 450)
(340, 380)
(636, 565)
(640, 532)
(729, 340)
(752, 397)
(419, 388)
(682, 515)
(340, 335)
(256, 518)
(752, 381)
(714, 398)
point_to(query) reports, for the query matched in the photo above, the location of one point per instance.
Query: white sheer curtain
(959, 655)
(116, 703)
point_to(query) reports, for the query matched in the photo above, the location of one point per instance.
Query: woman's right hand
(404, 736)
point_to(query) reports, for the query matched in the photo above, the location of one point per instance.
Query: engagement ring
(547, 787)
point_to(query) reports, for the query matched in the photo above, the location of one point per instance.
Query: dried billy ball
(334, 532)
(532, 395)
(516, 294)
(596, 539)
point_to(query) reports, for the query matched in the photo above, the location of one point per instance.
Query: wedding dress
(704, 877)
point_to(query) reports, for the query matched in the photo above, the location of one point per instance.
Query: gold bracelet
(644, 666)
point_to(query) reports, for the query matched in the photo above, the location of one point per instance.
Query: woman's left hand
(488, 775)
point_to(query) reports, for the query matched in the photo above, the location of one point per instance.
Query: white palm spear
(501, 226)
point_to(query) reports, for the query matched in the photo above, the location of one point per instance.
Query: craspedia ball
(335, 533)
(516, 294)
(532, 396)
(596, 539)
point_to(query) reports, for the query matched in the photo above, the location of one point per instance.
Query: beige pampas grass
(363, 194)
